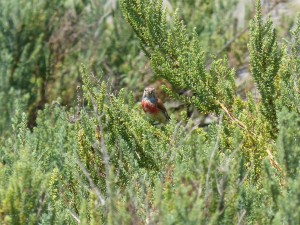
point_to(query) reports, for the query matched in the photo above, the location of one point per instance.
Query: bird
(153, 106)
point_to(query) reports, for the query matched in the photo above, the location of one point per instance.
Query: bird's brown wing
(161, 106)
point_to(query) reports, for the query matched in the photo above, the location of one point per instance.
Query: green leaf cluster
(103, 162)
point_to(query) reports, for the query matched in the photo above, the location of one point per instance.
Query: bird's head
(149, 93)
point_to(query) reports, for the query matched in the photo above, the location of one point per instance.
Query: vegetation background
(76, 148)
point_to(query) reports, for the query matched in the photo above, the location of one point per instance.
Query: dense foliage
(76, 148)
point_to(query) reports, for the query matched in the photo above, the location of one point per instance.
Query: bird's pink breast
(149, 107)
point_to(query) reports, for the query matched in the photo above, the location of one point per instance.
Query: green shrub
(103, 162)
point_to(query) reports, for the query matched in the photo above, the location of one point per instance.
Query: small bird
(153, 106)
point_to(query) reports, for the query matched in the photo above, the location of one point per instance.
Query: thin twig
(273, 161)
(93, 185)
(237, 36)
(232, 117)
(241, 217)
(244, 127)
(42, 202)
(75, 217)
